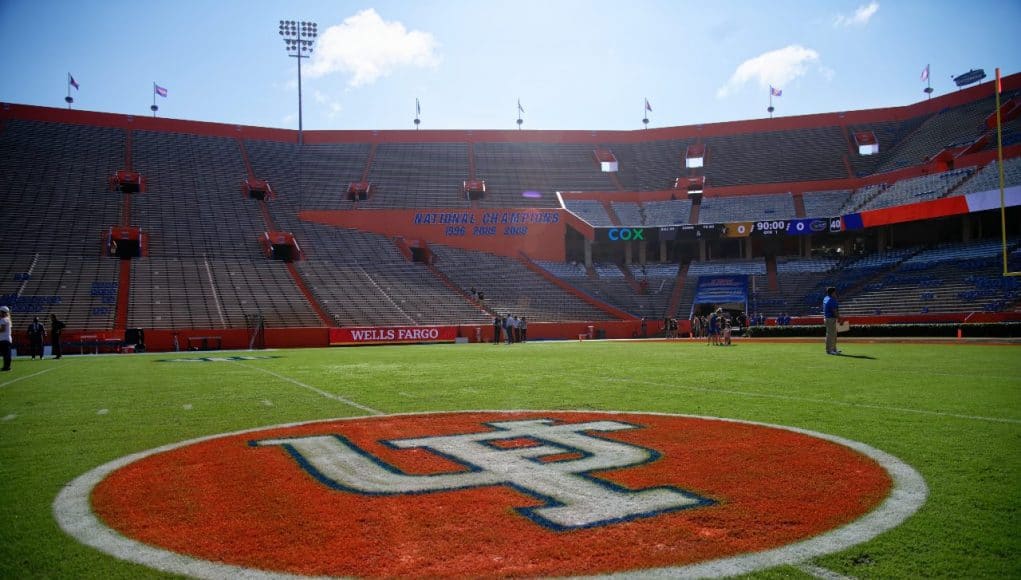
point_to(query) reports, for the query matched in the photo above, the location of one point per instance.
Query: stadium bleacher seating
(651, 165)
(798, 155)
(205, 268)
(747, 208)
(511, 288)
(952, 126)
(916, 189)
(511, 169)
(825, 203)
(988, 178)
(589, 210)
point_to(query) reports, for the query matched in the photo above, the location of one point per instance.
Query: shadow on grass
(864, 356)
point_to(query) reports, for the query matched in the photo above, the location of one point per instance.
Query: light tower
(299, 37)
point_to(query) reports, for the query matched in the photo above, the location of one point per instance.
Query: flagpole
(645, 115)
(154, 108)
(68, 99)
(928, 82)
(770, 108)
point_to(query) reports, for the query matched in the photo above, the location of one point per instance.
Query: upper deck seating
(747, 208)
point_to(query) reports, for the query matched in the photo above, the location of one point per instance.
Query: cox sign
(626, 234)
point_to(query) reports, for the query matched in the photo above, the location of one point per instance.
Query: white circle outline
(72, 510)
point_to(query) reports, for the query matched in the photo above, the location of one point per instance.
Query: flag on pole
(161, 91)
(418, 108)
(775, 92)
(520, 108)
(925, 73)
(72, 82)
(648, 107)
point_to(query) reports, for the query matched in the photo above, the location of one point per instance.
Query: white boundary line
(811, 400)
(12, 381)
(337, 398)
(820, 572)
(72, 510)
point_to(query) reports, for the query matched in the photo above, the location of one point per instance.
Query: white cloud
(861, 16)
(776, 68)
(367, 47)
(333, 107)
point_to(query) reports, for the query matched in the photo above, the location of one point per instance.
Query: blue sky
(573, 64)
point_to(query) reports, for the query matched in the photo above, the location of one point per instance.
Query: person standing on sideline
(831, 316)
(496, 329)
(6, 337)
(36, 333)
(56, 327)
(523, 326)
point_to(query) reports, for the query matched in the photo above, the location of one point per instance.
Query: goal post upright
(999, 162)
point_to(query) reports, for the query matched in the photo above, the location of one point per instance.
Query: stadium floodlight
(299, 39)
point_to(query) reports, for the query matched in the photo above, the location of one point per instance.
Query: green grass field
(953, 412)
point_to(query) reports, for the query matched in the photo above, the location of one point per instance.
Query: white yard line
(10, 417)
(297, 383)
(12, 381)
(816, 401)
(821, 573)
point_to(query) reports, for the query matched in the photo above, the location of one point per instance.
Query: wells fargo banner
(391, 335)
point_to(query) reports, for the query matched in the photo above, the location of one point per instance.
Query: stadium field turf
(951, 412)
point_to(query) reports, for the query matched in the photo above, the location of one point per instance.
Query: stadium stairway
(128, 136)
(614, 218)
(630, 277)
(244, 158)
(799, 205)
(300, 283)
(404, 248)
(774, 283)
(696, 207)
(675, 295)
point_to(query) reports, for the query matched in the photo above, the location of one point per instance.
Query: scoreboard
(694, 232)
(796, 227)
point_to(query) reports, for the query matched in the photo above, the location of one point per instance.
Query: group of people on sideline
(717, 327)
(36, 333)
(512, 328)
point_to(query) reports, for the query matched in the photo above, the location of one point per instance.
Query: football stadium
(469, 353)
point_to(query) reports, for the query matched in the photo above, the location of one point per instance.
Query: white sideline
(821, 573)
(817, 401)
(338, 398)
(12, 381)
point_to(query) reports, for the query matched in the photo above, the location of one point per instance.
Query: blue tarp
(728, 289)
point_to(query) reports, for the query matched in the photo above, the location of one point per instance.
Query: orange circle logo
(523, 493)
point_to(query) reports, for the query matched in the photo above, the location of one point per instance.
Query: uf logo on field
(512, 455)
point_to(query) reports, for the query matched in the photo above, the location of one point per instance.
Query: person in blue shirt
(831, 315)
